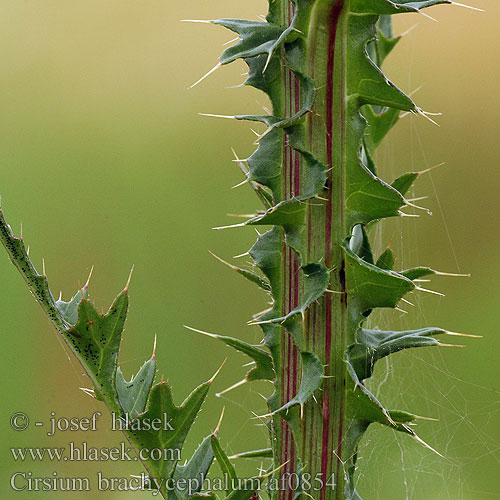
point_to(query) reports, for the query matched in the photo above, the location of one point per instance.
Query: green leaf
(312, 375)
(360, 244)
(316, 281)
(369, 286)
(37, 283)
(263, 453)
(194, 472)
(266, 253)
(175, 422)
(69, 310)
(133, 395)
(386, 260)
(363, 405)
(405, 182)
(256, 38)
(286, 213)
(379, 125)
(249, 275)
(386, 7)
(263, 370)
(375, 344)
(418, 272)
(96, 341)
(224, 463)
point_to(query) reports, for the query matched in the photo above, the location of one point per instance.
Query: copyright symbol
(19, 421)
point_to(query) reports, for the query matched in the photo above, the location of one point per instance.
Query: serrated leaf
(96, 341)
(263, 453)
(418, 272)
(266, 253)
(249, 275)
(316, 281)
(387, 7)
(405, 182)
(265, 163)
(286, 213)
(360, 244)
(369, 286)
(37, 283)
(194, 472)
(175, 422)
(373, 345)
(256, 38)
(69, 310)
(364, 406)
(264, 368)
(133, 395)
(379, 125)
(224, 463)
(386, 260)
(312, 375)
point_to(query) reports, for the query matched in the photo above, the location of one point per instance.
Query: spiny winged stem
(153, 425)
(319, 63)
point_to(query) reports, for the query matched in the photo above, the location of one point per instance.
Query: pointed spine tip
(234, 386)
(153, 357)
(470, 7)
(86, 286)
(440, 344)
(217, 372)
(217, 429)
(203, 332)
(213, 70)
(456, 334)
(127, 286)
(425, 171)
(88, 392)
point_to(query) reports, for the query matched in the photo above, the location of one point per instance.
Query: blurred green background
(106, 162)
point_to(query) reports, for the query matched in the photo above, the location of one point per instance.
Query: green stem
(325, 325)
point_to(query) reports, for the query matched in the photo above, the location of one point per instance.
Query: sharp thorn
(230, 226)
(231, 41)
(211, 115)
(431, 168)
(234, 386)
(242, 183)
(213, 335)
(241, 255)
(129, 279)
(88, 392)
(456, 334)
(217, 372)
(420, 289)
(154, 347)
(215, 68)
(453, 275)
(428, 115)
(86, 286)
(204, 21)
(407, 302)
(422, 442)
(427, 16)
(408, 31)
(467, 6)
(217, 429)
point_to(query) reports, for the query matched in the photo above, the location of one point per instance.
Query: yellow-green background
(105, 161)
